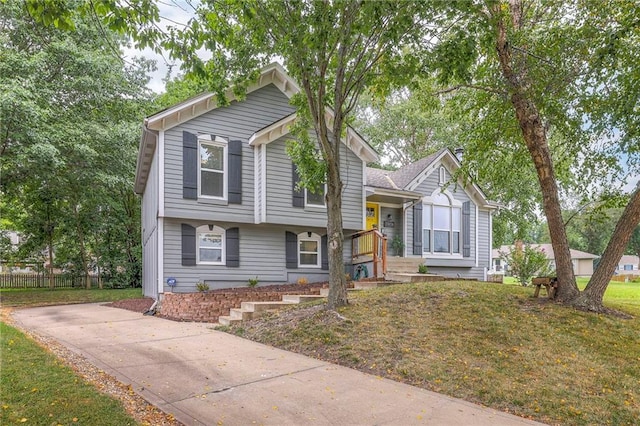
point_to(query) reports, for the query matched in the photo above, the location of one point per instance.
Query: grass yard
(18, 298)
(487, 343)
(35, 387)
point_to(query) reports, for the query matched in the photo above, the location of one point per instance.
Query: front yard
(490, 344)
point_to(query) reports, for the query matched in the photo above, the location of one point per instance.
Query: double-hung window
(210, 245)
(316, 198)
(212, 173)
(441, 225)
(309, 250)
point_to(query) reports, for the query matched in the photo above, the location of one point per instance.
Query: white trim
(324, 199)
(490, 238)
(477, 245)
(205, 102)
(264, 183)
(304, 236)
(282, 127)
(364, 196)
(161, 166)
(160, 231)
(204, 229)
(224, 144)
(256, 190)
(442, 175)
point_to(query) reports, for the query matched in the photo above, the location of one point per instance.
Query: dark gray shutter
(232, 237)
(291, 248)
(298, 194)
(324, 251)
(466, 229)
(417, 229)
(189, 165)
(235, 172)
(188, 245)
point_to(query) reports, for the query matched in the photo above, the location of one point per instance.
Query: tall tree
(542, 66)
(70, 110)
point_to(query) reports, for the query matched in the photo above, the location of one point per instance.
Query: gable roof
(203, 103)
(282, 127)
(629, 259)
(548, 250)
(408, 177)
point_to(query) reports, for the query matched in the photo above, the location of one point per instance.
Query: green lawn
(36, 387)
(16, 298)
(487, 343)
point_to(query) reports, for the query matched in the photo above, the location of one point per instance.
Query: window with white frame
(309, 250)
(316, 199)
(212, 165)
(210, 242)
(628, 267)
(441, 224)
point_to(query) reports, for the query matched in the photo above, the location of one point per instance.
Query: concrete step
(301, 298)
(406, 265)
(227, 320)
(263, 306)
(413, 277)
(240, 314)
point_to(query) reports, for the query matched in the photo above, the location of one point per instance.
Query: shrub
(202, 286)
(303, 281)
(527, 262)
(422, 269)
(253, 282)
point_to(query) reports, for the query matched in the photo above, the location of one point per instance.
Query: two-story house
(220, 202)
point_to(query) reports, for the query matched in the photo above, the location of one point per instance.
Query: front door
(373, 215)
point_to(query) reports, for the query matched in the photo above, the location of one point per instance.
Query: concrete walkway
(206, 377)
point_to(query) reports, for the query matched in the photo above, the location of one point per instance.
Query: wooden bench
(549, 283)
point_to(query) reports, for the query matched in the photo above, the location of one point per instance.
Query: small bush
(202, 286)
(253, 282)
(303, 281)
(422, 269)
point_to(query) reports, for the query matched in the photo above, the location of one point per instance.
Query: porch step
(404, 265)
(301, 298)
(413, 277)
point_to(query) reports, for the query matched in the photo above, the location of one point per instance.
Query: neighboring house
(628, 265)
(582, 261)
(221, 205)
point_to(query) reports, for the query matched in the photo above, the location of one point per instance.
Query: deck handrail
(372, 243)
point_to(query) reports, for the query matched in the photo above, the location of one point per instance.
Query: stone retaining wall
(209, 305)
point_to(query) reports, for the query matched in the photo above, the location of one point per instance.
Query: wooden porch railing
(371, 243)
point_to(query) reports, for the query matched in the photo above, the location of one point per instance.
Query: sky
(172, 13)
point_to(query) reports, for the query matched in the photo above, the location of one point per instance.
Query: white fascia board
(146, 152)
(282, 127)
(203, 103)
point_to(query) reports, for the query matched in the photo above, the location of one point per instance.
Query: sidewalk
(206, 377)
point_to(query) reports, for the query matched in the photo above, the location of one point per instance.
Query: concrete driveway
(206, 377)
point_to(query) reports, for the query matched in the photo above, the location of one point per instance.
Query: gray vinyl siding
(262, 255)
(239, 120)
(427, 187)
(150, 232)
(279, 191)
(453, 272)
(484, 248)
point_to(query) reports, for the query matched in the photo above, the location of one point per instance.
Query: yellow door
(373, 215)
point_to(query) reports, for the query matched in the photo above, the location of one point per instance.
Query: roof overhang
(391, 196)
(148, 143)
(447, 157)
(201, 104)
(282, 127)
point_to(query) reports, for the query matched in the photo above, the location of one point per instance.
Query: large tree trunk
(591, 297)
(335, 236)
(516, 74)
